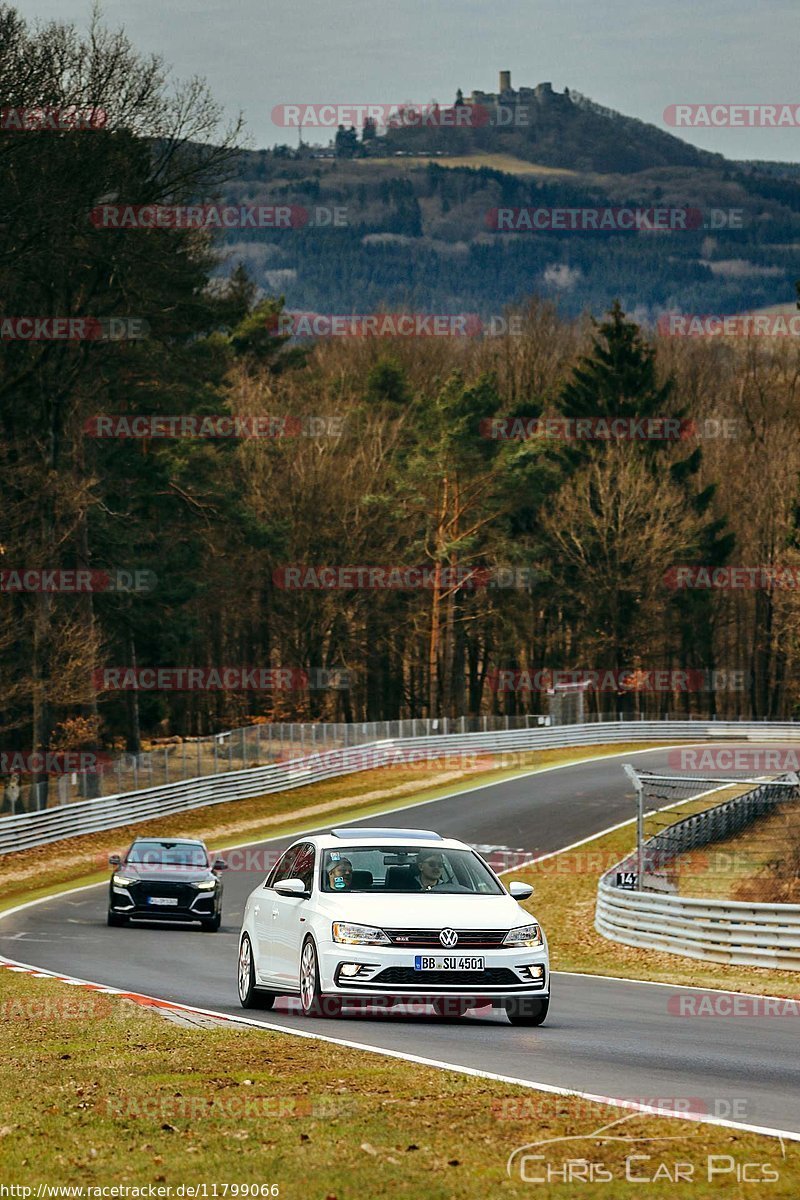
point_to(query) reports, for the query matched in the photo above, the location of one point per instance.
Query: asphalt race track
(603, 1036)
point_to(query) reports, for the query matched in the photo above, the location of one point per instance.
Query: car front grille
(182, 892)
(467, 938)
(493, 977)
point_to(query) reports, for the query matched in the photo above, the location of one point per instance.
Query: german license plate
(166, 901)
(447, 962)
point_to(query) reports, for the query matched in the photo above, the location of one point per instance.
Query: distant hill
(557, 129)
(417, 230)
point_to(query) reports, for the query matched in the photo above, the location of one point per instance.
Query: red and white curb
(181, 1013)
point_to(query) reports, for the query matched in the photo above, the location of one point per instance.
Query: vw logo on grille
(448, 937)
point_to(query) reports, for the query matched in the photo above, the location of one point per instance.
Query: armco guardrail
(725, 931)
(91, 816)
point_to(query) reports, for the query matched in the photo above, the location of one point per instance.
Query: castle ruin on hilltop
(508, 97)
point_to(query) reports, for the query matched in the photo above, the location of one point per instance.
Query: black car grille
(467, 938)
(179, 891)
(494, 977)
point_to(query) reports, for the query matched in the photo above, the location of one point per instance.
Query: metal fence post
(637, 783)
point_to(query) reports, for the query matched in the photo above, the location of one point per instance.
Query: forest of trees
(416, 233)
(384, 463)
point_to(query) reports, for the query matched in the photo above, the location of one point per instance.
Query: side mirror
(114, 860)
(520, 891)
(292, 887)
(219, 865)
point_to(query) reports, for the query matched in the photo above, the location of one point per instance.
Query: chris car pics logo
(550, 1162)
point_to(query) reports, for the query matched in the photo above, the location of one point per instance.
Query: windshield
(167, 854)
(391, 869)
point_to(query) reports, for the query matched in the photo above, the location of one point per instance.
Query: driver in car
(429, 869)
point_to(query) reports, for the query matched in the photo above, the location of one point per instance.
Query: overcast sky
(637, 56)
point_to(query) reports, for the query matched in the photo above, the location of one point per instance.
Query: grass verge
(97, 1091)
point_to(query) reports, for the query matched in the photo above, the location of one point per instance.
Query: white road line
(439, 1064)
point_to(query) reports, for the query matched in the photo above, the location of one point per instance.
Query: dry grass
(496, 162)
(761, 863)
(96, 1091)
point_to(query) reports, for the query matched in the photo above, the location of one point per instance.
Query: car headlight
(524, 935)
(358, 935)
(123, 881)
(204, 885)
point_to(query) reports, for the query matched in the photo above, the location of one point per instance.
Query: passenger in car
(340, 875)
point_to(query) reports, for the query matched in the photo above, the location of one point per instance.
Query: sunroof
(408, 835)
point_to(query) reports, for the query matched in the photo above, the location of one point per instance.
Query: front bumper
(388, 974)
(192, 905)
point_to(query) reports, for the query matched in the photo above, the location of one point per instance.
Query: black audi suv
(169, 880)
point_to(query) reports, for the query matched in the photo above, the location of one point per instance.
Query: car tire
(449, 1006)
(116, 919)
(249, 995)
(312, 1001)
(527, 1010)
(212, 925)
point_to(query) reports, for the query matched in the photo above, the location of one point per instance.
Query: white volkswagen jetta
(390, 916)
